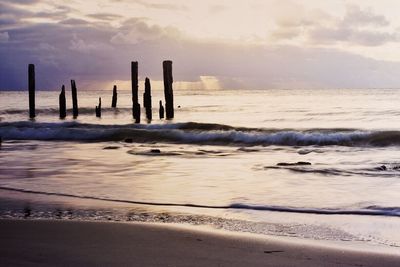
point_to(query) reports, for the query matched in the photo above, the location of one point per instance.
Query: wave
(196, 133)
(369, 210)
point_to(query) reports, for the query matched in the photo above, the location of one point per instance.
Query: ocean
(315, 164)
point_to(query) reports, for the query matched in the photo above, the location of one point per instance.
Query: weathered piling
(62, 103)
(136, 112)
(31, 84)
(161, 111)
(147, 99)
(135, 86)
(114, 97)
(168, 91)
(74, 99)
(98, 109)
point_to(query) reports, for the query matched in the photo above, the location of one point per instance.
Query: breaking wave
(196, 133)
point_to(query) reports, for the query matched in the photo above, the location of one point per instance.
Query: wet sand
(74, 243)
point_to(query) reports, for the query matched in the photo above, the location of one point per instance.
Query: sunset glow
(253, 44)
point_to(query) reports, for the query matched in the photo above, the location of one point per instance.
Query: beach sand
(76, 243)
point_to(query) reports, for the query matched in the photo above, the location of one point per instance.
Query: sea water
(228, 154)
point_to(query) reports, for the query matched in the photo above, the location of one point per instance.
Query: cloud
(21, 2)
(358, 26)
(74, 22)
(136, 30)
(359, 37)
(356, 16)
(155, 5)
(81, 46)
(4, 37)
(216, 9)
(104, 16)
(96, 53)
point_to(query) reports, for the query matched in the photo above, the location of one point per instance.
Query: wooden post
(98, 109)
(135, 86)
(168, 91)
(62, 103)
(74, 99)
(136, 112)
(114, 97)
(31, 81)
(161, 112)
(147, 99)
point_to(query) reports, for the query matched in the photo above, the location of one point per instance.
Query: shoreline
(320, 230)
(55, 243)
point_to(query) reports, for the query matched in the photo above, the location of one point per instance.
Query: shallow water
(222, 151)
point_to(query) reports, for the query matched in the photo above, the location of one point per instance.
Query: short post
(74, 99)
(31, 82)
(147, 99)
(98, 109)
(168, 91)
(114, 97)
(161, 111)
(62, 103)
(135, 86)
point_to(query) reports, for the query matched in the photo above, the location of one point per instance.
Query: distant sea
(318, 164)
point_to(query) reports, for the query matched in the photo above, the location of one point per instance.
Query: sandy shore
(71, 243)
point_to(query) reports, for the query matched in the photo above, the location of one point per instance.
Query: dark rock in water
(111, 147)
(396, 168)
(128, 140)
(245, 149)
(27, 212)
(299, 163)
(158, 151)
(381, 168)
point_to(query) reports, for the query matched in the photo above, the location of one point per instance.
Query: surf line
(236, 206)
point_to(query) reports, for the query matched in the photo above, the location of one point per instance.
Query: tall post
(135, 83)
(114, 97)
(62, 103)
(98, 109)
(74, 99)
(31, 82)
(147, 99)
(161, 111)
(135, 86)
(168, 91)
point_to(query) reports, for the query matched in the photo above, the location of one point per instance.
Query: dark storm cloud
(7, 9)
(21, 2)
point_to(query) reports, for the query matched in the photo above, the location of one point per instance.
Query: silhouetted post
(168, 91)
(74, 99)
(114, 97)
(161, 112)
(147, 98)
(135, 86)
(62, 103)
(98, 109)
(31, 81)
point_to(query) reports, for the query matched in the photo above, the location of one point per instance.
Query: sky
(214, 44)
